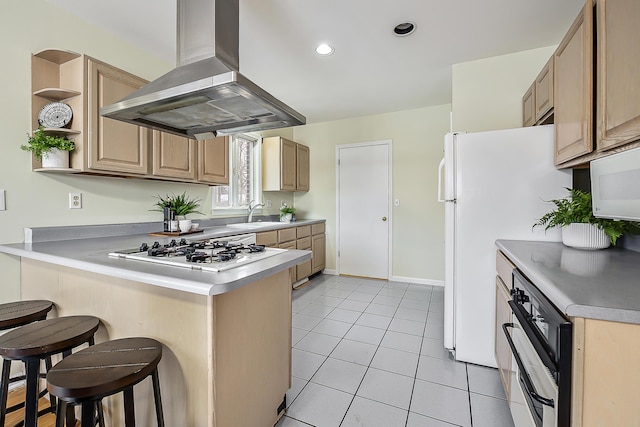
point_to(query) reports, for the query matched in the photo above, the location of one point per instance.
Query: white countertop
(603, 284)
(91, 254)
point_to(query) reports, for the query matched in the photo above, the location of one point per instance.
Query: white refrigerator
(495, 187)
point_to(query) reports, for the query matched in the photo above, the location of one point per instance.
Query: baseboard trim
(417, 281)
(330, 272)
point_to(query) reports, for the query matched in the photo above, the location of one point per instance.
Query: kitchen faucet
(252, 208)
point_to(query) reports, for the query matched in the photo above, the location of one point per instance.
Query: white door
(364, 173)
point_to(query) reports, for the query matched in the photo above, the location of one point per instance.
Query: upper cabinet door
(174, 156)
(302, 169)
(288, 172)
(618, 73)
(573, 89)
(113, 145)
(213, 161)
(529, 106)
(544, 91)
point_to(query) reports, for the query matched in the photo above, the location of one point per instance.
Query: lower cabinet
(305, 237)
(504, 358)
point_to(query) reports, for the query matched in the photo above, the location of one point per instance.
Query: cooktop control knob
(144, 247)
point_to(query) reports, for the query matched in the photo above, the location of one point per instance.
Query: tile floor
(370, 353)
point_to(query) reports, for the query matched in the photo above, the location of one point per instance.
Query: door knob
(384, 218)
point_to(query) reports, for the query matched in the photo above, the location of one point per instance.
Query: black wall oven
(540, 337)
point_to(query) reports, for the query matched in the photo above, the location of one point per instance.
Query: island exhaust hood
(205, 95)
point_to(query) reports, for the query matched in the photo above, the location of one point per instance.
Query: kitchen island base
(226, 358)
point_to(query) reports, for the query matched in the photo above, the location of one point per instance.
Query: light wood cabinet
(504, 282)
(544, 92)
(318, 247)
(113, 146)
(285, 165)
(618, 109)
(213, 161)
(110, 147)
(302, 167)
(573, 89)
(173, 156)
(529, 106)
(305, 237)
(267, 238)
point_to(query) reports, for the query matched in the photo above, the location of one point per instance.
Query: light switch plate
(3, 205)
(75, 200)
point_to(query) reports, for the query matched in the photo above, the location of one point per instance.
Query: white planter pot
(286, 217)
(585, 236)
(185, 225)
(55, 159)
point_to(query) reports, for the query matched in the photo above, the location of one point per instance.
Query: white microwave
(615, 186)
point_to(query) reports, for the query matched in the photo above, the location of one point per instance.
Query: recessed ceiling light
(324, 49)
(404, 29)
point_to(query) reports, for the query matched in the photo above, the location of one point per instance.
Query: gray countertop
(90, 253)
(603, 284)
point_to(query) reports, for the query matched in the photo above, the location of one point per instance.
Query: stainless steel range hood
(205, 95)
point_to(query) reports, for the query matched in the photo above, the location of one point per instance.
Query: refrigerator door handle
(440, 189)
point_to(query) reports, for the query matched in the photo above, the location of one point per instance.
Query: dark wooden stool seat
(103, 370)
(20, 313)
(35, 342)
(15, 314)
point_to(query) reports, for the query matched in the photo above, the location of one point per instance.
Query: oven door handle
(531, 390)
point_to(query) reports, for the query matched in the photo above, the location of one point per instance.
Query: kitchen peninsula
(226, 335)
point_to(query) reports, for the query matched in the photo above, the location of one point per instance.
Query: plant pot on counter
(55, 158)
(585, 236)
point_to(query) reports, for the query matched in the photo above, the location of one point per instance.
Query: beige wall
(487, 94)
(418, 223)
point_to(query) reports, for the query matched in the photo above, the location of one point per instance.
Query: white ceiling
(371, 71)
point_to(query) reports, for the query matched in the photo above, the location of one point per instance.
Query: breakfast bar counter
(226, 335)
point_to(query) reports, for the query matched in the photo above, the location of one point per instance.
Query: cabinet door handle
(384, 218)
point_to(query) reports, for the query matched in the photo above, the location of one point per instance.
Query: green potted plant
(580, 228)
(286, 213)
(181, 205)
(53, 150)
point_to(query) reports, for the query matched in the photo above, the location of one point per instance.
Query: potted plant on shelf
(176, 208)
(286, 213)
(53, 150)
(580, 228)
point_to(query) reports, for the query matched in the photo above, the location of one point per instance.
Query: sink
(257, 224)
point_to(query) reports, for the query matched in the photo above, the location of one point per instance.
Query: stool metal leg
(157, 397)
(61, 412)
(31, 398)
(4, 388)
(129, 409)
(100, 413)
(88, 414)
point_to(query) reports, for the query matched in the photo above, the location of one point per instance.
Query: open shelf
(56, 94)
(60, 131)
(57, 170)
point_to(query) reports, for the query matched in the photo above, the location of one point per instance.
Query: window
(245, 183)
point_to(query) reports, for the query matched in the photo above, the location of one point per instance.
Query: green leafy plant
(40, 144)
(181, 204)
(287, 210)
(577, 209)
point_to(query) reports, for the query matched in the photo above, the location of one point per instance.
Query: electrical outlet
(396, 202)
(75, 200)
(268, 201)
(3, 204)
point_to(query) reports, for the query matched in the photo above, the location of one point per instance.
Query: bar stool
(103, 370)
(35, 342)
(15, 314)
